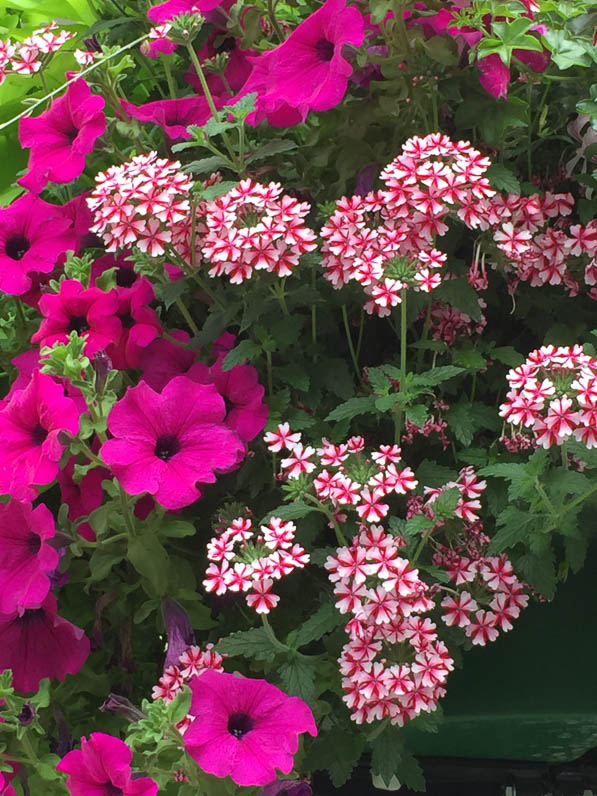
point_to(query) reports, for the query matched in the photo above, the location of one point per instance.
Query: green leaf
(177, 528)
(211, 128)
(180, 705)
(293, 375)
(539, 571)
(274, 147)
(337, 751)
(379, 382)
(323, 621)
(149, 557)
(465, 419)
(218, 189)
(298, 678)
(254, 643)
(352, 408)
(245, 351)
(243, 106)
(435, 376)
(503, 178)
(507, 355)
(460, 294)
(469, 358)
(338, 378)
(417, 415)
(103, 560)
(205, 165)
(432, 474)
(417, 525)
(168, 292)
(516, 526)
(290, 511)
(565, 52)
(387, 751)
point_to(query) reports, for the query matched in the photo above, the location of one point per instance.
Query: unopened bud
(102, 365)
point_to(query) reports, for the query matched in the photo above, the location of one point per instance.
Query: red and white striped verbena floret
(243, 560)
(554, 393)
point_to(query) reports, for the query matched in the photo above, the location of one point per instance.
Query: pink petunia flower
(83, 497)
(30, 426)
(33, 235)
(140, 324)
(162, 360)
(102, 767)
(309, 71)
(90, 312)
(38, 644)
(245, 728)
(240, 388)
(172, 8)
(172, 115)
(25, 557)
(166, 443)
(62, 137)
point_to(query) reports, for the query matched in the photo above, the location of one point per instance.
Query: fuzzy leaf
(465, 419)
(102, 561)
(337, 751)
(417, 415)
(298, 678)
(460, 294)
(150, 559)
(254, 643)
(539, 571)
(323, 621)
(352, 408)
(435, 376)
(245, 351)
(273, 147)
(205, 165)
(290, 511)
(503, 178)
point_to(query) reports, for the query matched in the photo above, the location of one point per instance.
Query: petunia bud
(122, 707)
(102, 365)
(179, 630)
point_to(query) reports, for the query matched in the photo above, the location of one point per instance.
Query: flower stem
(126, 511)
(339, 535)
(272, 636)
(270, 387)
(398, 412)
(271, 13)
(169, 79)
(187, 316)
(353, 354)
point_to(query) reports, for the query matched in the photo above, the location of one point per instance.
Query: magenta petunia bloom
(162, 360)
(83, 497)
(140, 324)
(38, 644)
(33, 235)
(166, 443)
(125, 274)
(240, 388)
(88, 311)
(172, 8)
(172, 115)
(6, 789)
(308, 71)
(30, 426)
(244, 728)
(25, 557)
(62, 137)
(102, 767)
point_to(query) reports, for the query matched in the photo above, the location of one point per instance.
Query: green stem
(544, 497)
(20, 314)
(271, 13)
(272, 636)
(270, 385)
(281, 294)
(564, 451)
(424, 537)
(126, 511)
(403, 324)
(208, 96)
(579, 499)
(424, 334)
(169, 79)
(353, 354)
(339, 535)
(187, 316)
(72, 80)
(360, 337)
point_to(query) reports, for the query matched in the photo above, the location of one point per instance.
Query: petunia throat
(239, 724)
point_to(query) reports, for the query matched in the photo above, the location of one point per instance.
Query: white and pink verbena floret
(255, 227)
(243, 560)
(554, 394)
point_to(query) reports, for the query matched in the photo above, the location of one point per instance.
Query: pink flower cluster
(255, 226)
(192, 663)
(393, 666)
(554, 393)
(447, 322)
(25, 57)
(385, 241)
(256, 563)
(142, 202)
(343, 475)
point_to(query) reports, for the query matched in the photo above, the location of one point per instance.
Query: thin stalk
(56, 91)
(187, 316)
(564, 451)
(126, 511)
(424, 334)
(208, 96)
(360, 337)
(271, 13)
(270, 387)
(281, 295)
(169, 79)
(579, 499)
(272, 636)
(320, 507)
(403, 322)
(353, 354)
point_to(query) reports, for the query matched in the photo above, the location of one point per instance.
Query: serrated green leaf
(290, 511)
(387, 751)
(168, 292)
(503, 178)
(352, 408)
(539, 571)
(465, 419)
(293, 375)
(254, 643)
(460, 294)
(435, 376)
(298, 678)
(337, 751)
(270, 148)
(245, 351)
(323, 621)
(379, 382)
(417, 525)
(516, 526)
(507, 355)
(218, 189)
(338, 378)
(417, 415)
(205, 165)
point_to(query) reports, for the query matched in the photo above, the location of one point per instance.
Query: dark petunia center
(325, 50)
(127, 320)
(112, 790)
(166, 446)
(34, 543)
(125, 277)
(17, 246)
(71, 134)
(239, 724)
(38, 434)
(31, 616)
(78, 324)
